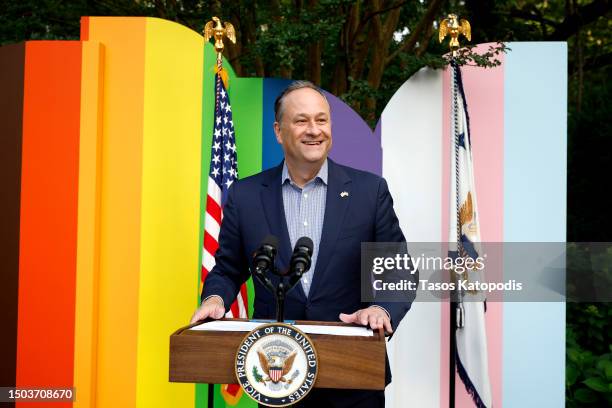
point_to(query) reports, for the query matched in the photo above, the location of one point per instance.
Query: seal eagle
(276, 367)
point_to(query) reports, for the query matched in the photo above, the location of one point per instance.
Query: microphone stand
(280, 302)
(281, 289)
(259, 274)
(294, 274)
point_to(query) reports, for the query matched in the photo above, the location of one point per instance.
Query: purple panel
(378, 137)
(354, 144)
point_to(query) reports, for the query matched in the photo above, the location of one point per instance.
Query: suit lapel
(272, 202)
(335, 209)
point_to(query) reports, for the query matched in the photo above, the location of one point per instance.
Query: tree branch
(582, 16)
(424, 41)
(529, 15)
(372, 14)
(593, 63)
(409, 43)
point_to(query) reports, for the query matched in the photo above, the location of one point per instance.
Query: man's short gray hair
(294, 86)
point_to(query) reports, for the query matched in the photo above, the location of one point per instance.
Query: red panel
(49, 182)
(84, 28)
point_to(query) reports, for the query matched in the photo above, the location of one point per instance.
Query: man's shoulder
(360, 176)
(256, 180)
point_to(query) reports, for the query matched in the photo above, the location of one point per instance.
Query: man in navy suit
(338, 207)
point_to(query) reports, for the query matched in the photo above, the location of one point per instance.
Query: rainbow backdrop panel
(105, 152)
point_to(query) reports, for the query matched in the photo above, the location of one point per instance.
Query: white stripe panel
(412, 154)
(211, 226)
(208, 261)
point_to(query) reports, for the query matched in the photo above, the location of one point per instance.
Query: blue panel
(271, 151)
(535, 168)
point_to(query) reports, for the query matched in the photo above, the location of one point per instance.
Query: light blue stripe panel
(535, 167)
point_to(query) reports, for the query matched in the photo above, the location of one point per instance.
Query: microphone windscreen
(270, 240)
(305, 242)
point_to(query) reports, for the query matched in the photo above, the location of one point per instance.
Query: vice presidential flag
(464, 241)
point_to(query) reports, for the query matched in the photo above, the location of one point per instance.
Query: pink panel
(484, 90)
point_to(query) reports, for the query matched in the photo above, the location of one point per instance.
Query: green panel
(201, 390)
(219, 402)
(201, 396)
(246, 95)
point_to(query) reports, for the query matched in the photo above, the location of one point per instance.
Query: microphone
(263, 258)
(302, 256)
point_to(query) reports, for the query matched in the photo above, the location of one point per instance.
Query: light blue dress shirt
(304, 213)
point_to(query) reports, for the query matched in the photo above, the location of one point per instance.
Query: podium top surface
(310, 328)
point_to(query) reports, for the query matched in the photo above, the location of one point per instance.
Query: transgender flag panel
(518, 123)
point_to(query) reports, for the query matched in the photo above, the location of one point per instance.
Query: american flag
(223, 172)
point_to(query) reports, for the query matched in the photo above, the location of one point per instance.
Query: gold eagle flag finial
(454, 27)
(218, 30)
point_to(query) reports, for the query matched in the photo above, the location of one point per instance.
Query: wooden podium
(352, 362)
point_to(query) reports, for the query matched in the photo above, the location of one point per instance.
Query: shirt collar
(322, 174)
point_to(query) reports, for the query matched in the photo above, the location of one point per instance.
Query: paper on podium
(246, 326)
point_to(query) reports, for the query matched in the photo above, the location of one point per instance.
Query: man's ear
(277, 133)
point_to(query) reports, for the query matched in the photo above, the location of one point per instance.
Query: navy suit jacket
(254, 209)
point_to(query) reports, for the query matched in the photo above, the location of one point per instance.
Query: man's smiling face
(304, 128)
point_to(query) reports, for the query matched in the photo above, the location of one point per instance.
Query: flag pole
(455, 301)
(452, 361)
(218, 30)
(453, 27)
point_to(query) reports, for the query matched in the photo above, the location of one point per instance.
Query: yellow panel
(88, 256)
(170, 205)
(124, 40)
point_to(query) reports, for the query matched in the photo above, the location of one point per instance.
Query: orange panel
(88, 247)
(48, 230)
(120, 207)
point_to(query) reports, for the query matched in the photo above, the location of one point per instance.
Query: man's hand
(212, 307)
(375, 316)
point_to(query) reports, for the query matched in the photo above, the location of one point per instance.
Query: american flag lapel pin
(344, 194)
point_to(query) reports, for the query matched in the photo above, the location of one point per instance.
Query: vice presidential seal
(276, 364)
